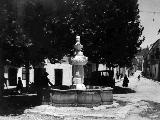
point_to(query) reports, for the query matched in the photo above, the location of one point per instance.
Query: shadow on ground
(153, 111)
(121, 102)
(16, 104)
(121, 90)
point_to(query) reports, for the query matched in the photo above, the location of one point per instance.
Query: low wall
(74, 97)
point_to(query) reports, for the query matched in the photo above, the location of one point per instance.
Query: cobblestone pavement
(30, 117)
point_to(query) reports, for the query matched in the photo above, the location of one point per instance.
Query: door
(58, 76)
(12, 76)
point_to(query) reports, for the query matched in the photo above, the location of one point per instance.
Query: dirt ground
(139, 101)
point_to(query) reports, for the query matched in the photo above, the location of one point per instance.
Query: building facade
(58, 73)
(151, 67)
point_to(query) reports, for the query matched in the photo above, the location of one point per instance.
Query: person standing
(19, 85)
(125, 81)
(139, 77)
(43, 84)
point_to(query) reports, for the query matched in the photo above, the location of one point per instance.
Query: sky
(150, 20)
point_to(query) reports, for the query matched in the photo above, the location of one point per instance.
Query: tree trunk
(27, 65)
(1, 74)
(97, 65)
(27, 75)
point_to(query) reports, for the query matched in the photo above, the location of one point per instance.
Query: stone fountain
(78, 95)
(78, 61)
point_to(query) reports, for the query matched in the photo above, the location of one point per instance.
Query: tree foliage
(50, 36)
(110, 29)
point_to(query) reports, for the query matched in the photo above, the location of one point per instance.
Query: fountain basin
(73, 97)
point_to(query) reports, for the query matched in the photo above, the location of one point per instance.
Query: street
(140, 101)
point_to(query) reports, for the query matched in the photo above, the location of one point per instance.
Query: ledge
(71, 97)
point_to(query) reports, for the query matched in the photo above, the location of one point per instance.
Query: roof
(153, 45)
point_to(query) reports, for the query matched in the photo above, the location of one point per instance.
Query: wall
(67, 72)
(31, 75)
(154, 71)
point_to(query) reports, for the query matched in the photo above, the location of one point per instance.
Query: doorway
(58, 76)
(12, 76)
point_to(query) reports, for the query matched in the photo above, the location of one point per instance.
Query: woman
(19, 85)
(125, 81)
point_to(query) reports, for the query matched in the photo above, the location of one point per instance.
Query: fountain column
(78, 61)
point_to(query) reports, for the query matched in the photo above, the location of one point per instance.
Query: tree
(50, 37)
(6, 36)
(12, 39)
(110, 29)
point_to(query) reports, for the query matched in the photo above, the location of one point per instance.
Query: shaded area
(101, 78)
(153, 111)
(122, 90)
(16, 104)
(121, 102)
(60, 87)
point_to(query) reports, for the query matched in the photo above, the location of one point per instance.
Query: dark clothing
(43, 83)
(125, 82)
(19, 85)
(138, 77)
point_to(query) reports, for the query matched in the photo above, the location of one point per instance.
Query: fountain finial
(78, 46)
(78, 38)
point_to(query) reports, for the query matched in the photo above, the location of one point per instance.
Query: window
(152, 56)
(23, 73)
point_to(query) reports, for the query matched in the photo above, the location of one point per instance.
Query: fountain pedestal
(78, 61)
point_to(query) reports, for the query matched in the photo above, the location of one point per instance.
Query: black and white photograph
(79, 59)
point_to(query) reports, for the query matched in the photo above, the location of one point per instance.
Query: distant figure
(125, 81)
(44, 81)
(5, 82)
(111, 81)
(19, 85)
(139, 77)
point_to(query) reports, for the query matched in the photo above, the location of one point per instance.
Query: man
(44, 81)
(42, 84)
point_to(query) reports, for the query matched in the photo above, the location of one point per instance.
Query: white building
(59, 73)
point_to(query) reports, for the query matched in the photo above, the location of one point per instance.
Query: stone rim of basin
(94, 89)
